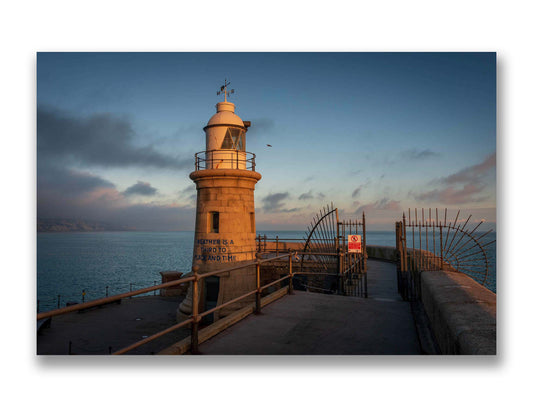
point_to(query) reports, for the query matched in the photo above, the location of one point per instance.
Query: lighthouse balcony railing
(225, 159)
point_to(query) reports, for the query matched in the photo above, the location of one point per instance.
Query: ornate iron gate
(326, 264)
(427, 243)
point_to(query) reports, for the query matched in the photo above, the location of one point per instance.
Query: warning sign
(354, 244)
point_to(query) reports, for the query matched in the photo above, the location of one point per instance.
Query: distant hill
(76, 225)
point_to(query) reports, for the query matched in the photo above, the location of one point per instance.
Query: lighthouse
(225, 179)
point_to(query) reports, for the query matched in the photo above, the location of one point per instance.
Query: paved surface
(319, 324)
(300, 324)
(92, 332)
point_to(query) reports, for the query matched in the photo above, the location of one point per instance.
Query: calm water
(68, 263)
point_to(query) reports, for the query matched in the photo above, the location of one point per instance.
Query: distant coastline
(77, 225)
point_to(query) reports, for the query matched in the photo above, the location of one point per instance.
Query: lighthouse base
(216, 291)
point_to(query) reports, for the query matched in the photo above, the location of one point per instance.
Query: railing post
(341, 272)
(364, 243)
(277, 250)
(258, 284)
(194, 314)
(290, 272)
(441, 259)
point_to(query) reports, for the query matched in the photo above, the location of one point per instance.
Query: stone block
(167, 276)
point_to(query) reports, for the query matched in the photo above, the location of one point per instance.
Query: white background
(30, 26)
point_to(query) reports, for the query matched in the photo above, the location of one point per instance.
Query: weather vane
(224, 89)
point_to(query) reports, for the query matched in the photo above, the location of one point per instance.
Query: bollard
(155, 283)
(107, 291)
(58, 300)
(195, 319)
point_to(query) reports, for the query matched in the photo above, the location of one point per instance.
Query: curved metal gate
(326, 264)
(426, 243)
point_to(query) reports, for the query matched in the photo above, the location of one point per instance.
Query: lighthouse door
(212, 285)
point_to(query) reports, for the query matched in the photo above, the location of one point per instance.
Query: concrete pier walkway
(319, 324)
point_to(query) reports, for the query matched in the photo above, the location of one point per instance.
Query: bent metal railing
(196, 316)
(224, 159)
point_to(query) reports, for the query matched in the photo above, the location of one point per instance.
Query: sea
(73, 267)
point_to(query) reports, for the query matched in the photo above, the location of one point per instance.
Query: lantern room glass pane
(228, 142)
(234, 139)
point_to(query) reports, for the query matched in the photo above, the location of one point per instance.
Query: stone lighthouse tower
(225, 179)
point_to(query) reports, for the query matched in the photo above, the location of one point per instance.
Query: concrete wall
(461, 311)
(381, 252)
(282, 247)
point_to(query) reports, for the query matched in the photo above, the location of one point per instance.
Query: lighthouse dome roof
(225, 115)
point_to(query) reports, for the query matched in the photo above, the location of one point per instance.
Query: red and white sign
(354, 244)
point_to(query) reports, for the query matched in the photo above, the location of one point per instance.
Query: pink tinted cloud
(463, 186)
(473, 173)
(384, 204)
(450, 195)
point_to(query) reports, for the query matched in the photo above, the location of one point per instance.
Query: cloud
(416, 154)
(68, 194)
(188, 193)
(67, 182)
(63, 192)
(461, 187)
(273, 202)
(140, 188)
(306, 196)
(451, 195)
(384, 204)
(356, 192)
(100, 139)
(472, 174)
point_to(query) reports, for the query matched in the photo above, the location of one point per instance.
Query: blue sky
(372, 132)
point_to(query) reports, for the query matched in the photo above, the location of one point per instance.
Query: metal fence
(326, 265)
(196, 316)
(426, 243)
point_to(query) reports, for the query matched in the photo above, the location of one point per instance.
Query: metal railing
(341, 275)
(278, 245)
(47, 303)
(425, 243)
(224, 159)
(196, 316)
(349, 269)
